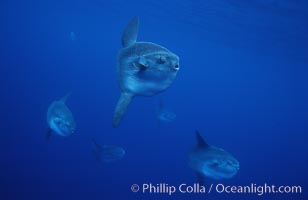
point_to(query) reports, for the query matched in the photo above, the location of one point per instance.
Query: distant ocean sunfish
(107, 153)
(164, 115)
(60, 119)
(212, 162)
(143, 69)
(73, 35)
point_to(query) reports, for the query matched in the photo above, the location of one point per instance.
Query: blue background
(243, 83)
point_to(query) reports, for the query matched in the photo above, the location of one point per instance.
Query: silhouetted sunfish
(143, 68)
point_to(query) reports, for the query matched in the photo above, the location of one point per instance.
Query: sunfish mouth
(176, 67)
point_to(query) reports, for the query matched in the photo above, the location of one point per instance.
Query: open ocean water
(243, 83)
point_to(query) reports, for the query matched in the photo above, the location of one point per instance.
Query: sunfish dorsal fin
(130, 33)
(200, 141)
(97, 146)
(97, 150)
(63, 99)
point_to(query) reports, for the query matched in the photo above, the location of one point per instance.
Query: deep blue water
(243, 84)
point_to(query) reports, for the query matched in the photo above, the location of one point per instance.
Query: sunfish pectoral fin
(48, 134)
(130, 33)
(141, 63)
(121, 108)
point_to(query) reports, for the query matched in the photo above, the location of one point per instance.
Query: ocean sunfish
(212, 162)
(164, 115)
(73, 36)
(60, 119)
(107, 153)
(143, 69)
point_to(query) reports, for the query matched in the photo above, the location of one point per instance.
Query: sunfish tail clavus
(143, 69)
(60, 119)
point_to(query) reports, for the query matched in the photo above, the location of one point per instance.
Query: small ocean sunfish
(72, 35)
(164, 115)
(107, 153)
(212, 162)
(60, 119)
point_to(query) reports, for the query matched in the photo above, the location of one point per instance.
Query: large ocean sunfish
(60, 119)
(213, 162)
(143, 69)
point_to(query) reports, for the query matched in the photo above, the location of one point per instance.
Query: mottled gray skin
(143, 69)
(212, 162)
(60, 119)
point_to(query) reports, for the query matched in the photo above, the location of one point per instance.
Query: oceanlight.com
(165, 188)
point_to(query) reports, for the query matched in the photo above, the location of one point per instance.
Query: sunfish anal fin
(200, 178)
(48, 134)
(130, 33)
(121, 108)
